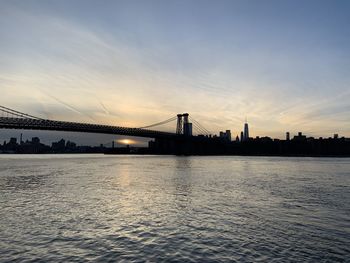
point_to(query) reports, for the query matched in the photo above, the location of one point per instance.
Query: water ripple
(174, 209)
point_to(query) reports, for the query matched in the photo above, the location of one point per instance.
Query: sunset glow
(283, 67)
(126, 141)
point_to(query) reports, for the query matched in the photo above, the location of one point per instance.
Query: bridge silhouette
(13, 119)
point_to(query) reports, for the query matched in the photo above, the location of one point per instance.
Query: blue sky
(282, 64)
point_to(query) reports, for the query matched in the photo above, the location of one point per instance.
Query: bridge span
(182, 141)
(51, 125)
(12, 119)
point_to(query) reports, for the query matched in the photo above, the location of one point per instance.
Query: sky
(283, 65)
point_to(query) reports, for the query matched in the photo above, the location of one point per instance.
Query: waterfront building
(225, 135)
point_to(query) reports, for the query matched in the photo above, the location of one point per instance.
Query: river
(78, 208)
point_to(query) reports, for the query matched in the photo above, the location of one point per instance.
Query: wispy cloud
(115, 71)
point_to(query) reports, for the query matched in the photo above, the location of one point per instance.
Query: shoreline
(187, 155)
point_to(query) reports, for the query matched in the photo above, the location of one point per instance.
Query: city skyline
(284, 66)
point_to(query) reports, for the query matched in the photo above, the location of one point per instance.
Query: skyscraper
(287, 136)
(228, 135)
(246, 132)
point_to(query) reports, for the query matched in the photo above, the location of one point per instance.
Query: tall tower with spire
(246, 130)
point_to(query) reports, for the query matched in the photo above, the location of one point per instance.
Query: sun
(126, 141)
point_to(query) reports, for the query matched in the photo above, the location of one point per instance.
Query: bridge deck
(41, 124)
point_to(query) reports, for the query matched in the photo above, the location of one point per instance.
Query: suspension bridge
(185, 126)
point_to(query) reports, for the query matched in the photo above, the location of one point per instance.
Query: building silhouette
(225, 135)
(298, 145)
(246, 132)
(299, 137)
(287, 136)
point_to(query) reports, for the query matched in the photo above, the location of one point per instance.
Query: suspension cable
(198, 129)
(159, 123)
(199, 126)
(18, 113)
(10, 113)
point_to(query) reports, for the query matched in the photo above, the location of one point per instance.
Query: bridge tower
(183, 125)
(179, 124)
(187, 126)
